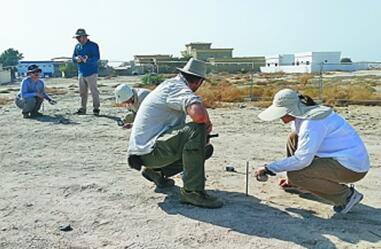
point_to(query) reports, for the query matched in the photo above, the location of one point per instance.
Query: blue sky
(42, 29)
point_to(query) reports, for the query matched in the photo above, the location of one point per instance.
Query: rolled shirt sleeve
(310, 137)
(180, 98)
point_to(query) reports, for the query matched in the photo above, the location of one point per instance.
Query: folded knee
(292, 136)
(296, 177)
(196, 127)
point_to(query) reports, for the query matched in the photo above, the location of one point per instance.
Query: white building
(279, 60)
(5, 75)
(309, 62)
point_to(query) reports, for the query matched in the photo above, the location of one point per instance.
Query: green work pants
(182, 148)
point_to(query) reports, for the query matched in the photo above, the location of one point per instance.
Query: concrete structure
(218, 60)
(309, 62)
(140, 60)
(149, 63)
(236, 64)
(5, 75)
(203, 51)
(170, 66)
(47, 67)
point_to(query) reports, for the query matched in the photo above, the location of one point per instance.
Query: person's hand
(52, 102)
(209, 127)
(260, 171)
(284, 183)
(79, 59)
(84, 58)
(127, 126)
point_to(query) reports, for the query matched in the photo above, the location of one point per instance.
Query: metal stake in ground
(247, 178)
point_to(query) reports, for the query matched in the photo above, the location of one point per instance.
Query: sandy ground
(63, 168)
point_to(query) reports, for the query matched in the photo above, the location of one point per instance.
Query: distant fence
(353, 87)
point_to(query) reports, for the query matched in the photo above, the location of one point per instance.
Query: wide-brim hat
(80, 32)
(33, 68)
(123, 93)
(195, 67)
(287, 101)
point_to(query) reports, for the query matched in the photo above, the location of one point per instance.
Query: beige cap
(287, 101)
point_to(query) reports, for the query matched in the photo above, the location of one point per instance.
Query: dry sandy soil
(67, 169)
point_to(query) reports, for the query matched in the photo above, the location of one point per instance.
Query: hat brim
(75, 36)
(189, 72)
(35, 70)
(273, 112)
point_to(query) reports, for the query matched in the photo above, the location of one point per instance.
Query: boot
(158, 178)
(199, 198)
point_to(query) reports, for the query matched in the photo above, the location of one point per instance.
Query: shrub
(69, 69)
(152, 79)
(304, 78)
(4, 101)
(213, 95)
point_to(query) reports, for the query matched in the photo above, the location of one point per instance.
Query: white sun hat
(123, 93)
(287, 101)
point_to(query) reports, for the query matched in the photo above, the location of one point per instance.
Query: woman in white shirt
(324, 151)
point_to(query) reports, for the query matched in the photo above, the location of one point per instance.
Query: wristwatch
(269, 172)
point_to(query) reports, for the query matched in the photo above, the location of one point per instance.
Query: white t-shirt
(331, 137)
(162, 109)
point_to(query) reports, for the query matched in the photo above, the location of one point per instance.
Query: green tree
(69, 69)
(10, 57)
(346, 60)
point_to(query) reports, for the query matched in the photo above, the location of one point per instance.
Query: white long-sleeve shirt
(331, 137)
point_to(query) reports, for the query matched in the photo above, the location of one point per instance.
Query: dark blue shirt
(91, 50)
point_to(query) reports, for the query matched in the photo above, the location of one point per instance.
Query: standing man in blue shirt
(86, 56)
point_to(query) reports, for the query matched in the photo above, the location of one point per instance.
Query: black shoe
(208, 151)
(25, 115)
(96, 112)
(36, 114)
(352, 200)
(80, 112)
(158, 178)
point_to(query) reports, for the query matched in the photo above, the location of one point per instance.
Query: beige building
(141, 60)
(218, 60)
(203, 51)
(236, 64)
(158, 63)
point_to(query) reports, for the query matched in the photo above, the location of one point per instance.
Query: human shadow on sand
(55, 119)
(251, 216)
(115, 118)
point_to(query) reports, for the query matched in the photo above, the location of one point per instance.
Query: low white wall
(315, 68)
(5, 77)
(287, 69)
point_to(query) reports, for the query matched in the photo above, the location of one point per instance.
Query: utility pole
(252, 81)
(321, 82)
